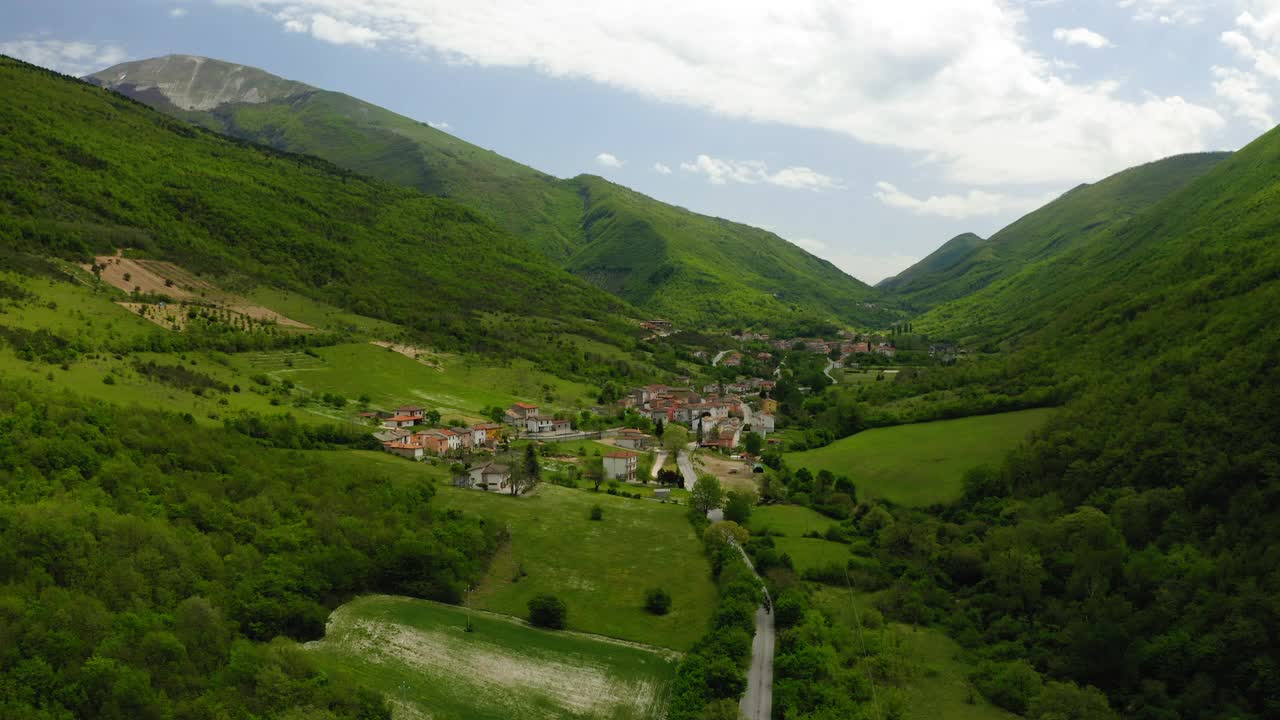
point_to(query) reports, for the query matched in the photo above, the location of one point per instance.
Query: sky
(867, 132)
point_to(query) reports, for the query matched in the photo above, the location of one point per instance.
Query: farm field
(921, 464)
(600, 569)
(420, 655)
(937, 684)
(461, 387)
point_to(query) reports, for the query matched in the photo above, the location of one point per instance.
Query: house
(435, 442)
(633, 439)
(538, 423)
(490, 477)
(734, 359)
(886, 350)
(769, 405)
(620, 465)
(389, 435)
(524, 410)
(762, 423)
(400, 421)
(410, 410)
(484, 435)
(727, 437)
(404, 448)
(464, 437)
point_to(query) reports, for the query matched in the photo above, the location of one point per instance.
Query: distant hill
(967, 263)
(86, 171)
(689, 267)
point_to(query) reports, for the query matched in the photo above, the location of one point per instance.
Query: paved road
(716, 360)
(685, 463)
(658, 461)
(827, 371)
(757, 702)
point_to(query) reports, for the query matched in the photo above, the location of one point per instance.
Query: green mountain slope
(1157, 488)
(692, 268)
(244, 214)
(966, 264)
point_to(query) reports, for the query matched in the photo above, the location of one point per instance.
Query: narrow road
(827, 371)
(659, 460)
(757, 702)
(716, 360)
(685, 463)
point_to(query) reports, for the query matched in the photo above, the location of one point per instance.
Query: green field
(923, 463)
(936, 671)
(789, 520)
(811, 553)
(460, 386)
(600, 569)
(420, 655)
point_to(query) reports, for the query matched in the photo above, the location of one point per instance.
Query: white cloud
(970, 204)
(1265, 54)
(754, 172)
(340, 32)
(608, 160)
(440, 125)
(1166, 12)
(952, 80)
(871, 269)
(813, 246)
(69, 58)
(661, 169)
(178, 13)
(1080, 36)
(1243, 94)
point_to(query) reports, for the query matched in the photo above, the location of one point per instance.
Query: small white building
(620, 466)
(491, 477)
(762, 423)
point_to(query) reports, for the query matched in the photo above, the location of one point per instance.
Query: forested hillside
(87, 171)
(692, 268)
(1134, 545)
(967, 263)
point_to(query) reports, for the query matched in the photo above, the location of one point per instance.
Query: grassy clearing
(934, 665)
(463, 387)
(600, 569)
(923, 463)
(790, 520)
(810, 553)
(420, 655)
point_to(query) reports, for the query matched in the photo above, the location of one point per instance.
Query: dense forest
(152, 568)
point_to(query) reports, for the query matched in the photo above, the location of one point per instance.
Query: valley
(308, 409)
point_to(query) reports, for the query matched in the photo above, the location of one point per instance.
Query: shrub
(547, 611)
(657, 601)
(597, 512)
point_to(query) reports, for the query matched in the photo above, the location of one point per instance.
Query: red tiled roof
(621, 455)
(401, 418)
(526, 406)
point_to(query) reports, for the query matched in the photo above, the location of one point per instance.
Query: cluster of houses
(527, 418)
(401, 435)
(718, 414)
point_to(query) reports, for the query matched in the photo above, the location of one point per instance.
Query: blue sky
(867, 132)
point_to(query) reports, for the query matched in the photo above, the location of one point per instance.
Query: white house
(490, 476)
(762, 423)
(538, 423)
(620, 466)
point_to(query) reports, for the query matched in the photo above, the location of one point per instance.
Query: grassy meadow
(422, 657)
(934, 668)
(600, 569)
(922, 464)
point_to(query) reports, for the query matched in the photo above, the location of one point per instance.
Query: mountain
(967, 263)
(245, 215)
(692, 268)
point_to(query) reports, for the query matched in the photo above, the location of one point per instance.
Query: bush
(597, 512)
(657, 601)
(1012, 685)
(547, 611)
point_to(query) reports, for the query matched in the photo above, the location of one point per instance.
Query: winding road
(659, 459)
(716, 360)
(685, 463)
(827, 371)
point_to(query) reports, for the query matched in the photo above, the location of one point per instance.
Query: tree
(706, 494)
(547, 611)
(724, 709)
(753, 442)
(668, 477)
(675, 438)
(1068, 701)
(725, 532)
(657, 601)
(432, 417)
(660, 428)
(738, 505)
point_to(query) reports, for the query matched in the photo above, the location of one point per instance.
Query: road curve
(685, 463)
